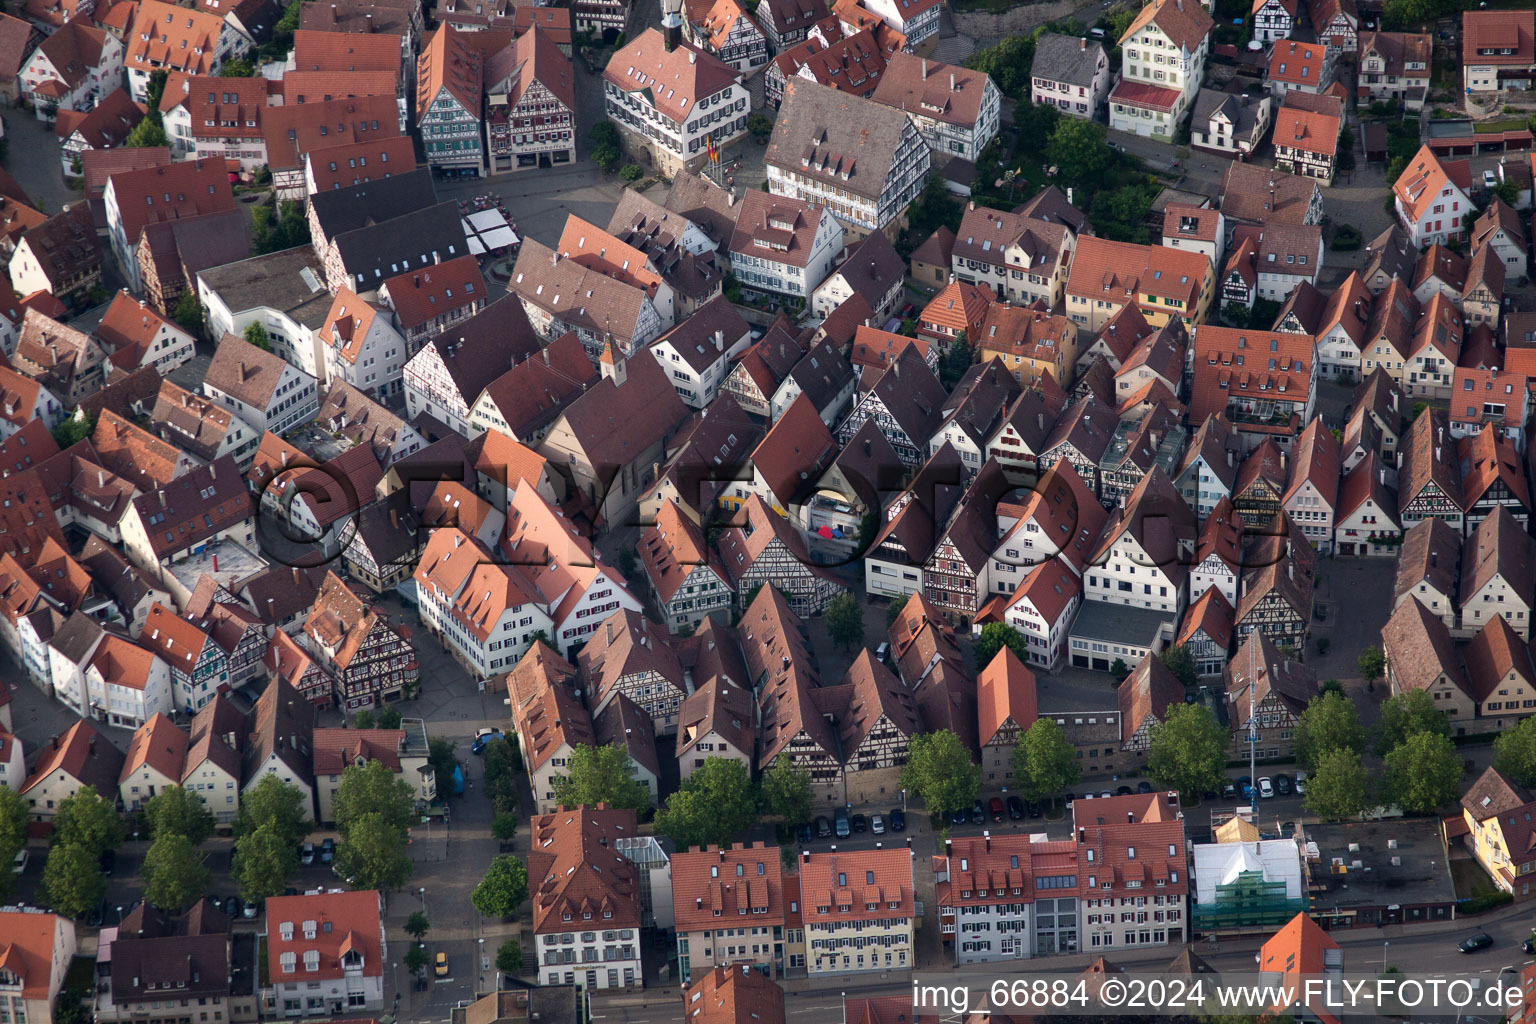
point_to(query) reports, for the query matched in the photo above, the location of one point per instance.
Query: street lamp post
(481, 989)
(423, 892)
(1384, 944)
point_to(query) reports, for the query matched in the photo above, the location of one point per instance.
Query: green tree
(372, 790)
(1371, 663)
(86, 820)
(600, 775)
(994, 637)
(605, 145)
(1514, 753)
(145, 134)
(68, 1008)
(362, 719)
(760, 125)
(1409, 712)
(388, 718)
(631, 172)
(715, 804)
(958, 357)
(1080, 150)
(237, 68)
(509, 957)
(417, 926)
(272, 803)
(1508, 190)
(417, 959)
(1181, 663)
(72, 879)
(264, 860)
(504, 826)
(153, 91)
(257, 335)
(276, 230)
(440, 755)
(177, 810)
(1008, 65)
(893, 612)
(174, 873)
(1188, 750)
(1338, 788)
(13, 836)
(1044, 761)
(1330, 722)
(371, 854)
(74, 428)
(503, 888)
(933, 208)
(786, 792)
(845, 621)
(1422, 773)
(188, 313)
(939, 770)
(498, 761)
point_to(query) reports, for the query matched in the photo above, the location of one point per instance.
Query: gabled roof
(1212, 615)
(1186, 24)
(1005, 691)
(809, 138)
(575, 869)
(1259, 661)
(157, 744)
(1217, 443)
(1418, 648)
(1499, 546)
(1146, 695)
(672, 80)
(1315, 460)
(1425, 178)
(83, 754)
(1429, 458)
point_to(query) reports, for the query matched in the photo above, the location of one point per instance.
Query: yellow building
(1499, 830)
(1029, 342)
(1164, 283)
(859, 910)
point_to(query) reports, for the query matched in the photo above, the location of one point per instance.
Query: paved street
(32, 158)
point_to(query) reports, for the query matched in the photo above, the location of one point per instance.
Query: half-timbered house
(876, 720)
(1142, 559)
(907, 401)
(1080, 436)
(1019, 439)
(914, 520)
(956, 576)
(1266, 694)
(758, 547)
(1498, 575)
(627, 654)
(1207, 632)
(1145, 697)
(1259, 489)
(1427, 568)
(1428, 482)
(1208, 469)
(1218, 560)
(1493, 476)
(1276, 600)
(1367, 514)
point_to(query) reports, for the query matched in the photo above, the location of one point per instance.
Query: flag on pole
(714, 153)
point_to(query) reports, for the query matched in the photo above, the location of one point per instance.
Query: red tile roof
(327, 928)
(574, 870)
(839, 887)
(724, 888)
(421, 296)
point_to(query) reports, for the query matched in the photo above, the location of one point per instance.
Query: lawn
(81, 976)
(1508, 124)
(1470, 878)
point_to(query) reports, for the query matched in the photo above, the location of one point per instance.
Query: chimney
(925, 69)
(719, 341)
(951, 81)
(1082, 44)
(986, 838)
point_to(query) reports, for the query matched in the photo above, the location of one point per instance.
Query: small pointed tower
(612, 364)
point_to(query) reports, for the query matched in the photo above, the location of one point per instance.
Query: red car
(996, 808)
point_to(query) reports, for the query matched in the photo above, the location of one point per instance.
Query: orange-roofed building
(1306, 142)
(685, 573)
(1165, 283)
(428, 301)
(156, 755)
(1264, 382)
(735, 994)
(170, 38)
(728, 906)
(138, 336)
(586, 898)
(1131, 856)
(293, 132)
(1018, 897)
(333, 941)
(153, 195)
(209, 117)
(80, 757)
(370, 659)
(486, 614)
(1171, 34)
(548, 718)
(1300, 950)
(127, 684)
(1431, 198)
(859, 906)
(957, 307)
(1498, 50)
(199, 667)
(357, 162)
(35, 955)
(1005, 709)
(1042, 610)
(448, 102)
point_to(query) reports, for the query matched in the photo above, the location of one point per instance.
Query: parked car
(233, 906)
(1143, 786)
(1015, 808)
(252, 909)
(1482, 940)
(1034, 807)
(1122, 791)
(1229, 791)
(898, 820)
(841, 825)
(823, 828)
(859, 823)
(440, 965)
(1266, 787)
(1490, 180)
(959, 816)
(1283, 785)
(327, 850)
(804, 833)
(995, 808)
(877, 824)
(1301, 783)
(307, 853)
(1245, 787)
(108, 861)
(19, 862)
(978, 814)
(483, 737)
(1529, 945)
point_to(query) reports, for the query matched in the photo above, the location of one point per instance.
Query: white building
(699, 352)
(671, 99)
(259, 387)
(359, 346)
(1164, 53)
(784, 246)
(1069, 73)
(956, 109)
(868, 185)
